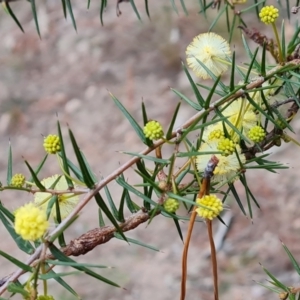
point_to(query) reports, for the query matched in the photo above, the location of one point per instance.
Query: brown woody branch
(91, 239)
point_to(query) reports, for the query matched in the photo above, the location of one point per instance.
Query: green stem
(278, 42)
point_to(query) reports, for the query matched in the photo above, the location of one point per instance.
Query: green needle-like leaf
(39, 167)
(82, 164)
(283, 48)
(64, 157)
(130, 188)
(16, 262)
(216, 19)
(150, 158)
(62, 257)
(17, 289)
(147, 9)
(249, 53)
(237, 198)
(132, 206)
(34, 177)
(187, 100)
(131, 120)
(63, 4)
(135, 9)
(74, 264)
(109, 215)
(171, 127)
(292, 259)
(263, 61)
(232, 85)
(102, 7)
(9, 166)
(174, 6)
(33, 9)
(136, 242)
(194, 87)
(178, 228)
(183, 7)
(110, 202)
(70, 10)
(63, 283)
(13, 15)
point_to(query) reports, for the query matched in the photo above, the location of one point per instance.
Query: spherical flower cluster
(30, 222)
(153, 130)
(171, 205)
(210, 208)
(256, 134)
(240, 114)
(226, 145)
(66, 201)
(51, 144)
(18, 180)
(212, 51)
(228, 166)
(216, 134)
(268, 14)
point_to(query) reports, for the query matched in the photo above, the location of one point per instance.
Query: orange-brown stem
(213, 258)
(203, 191)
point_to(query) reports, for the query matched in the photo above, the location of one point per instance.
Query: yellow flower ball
(51, 144)
(216, 134)
(171, 205)
(226, 146)
(210, 208)
(268, 14)
(153, 130)
(30, 222)
(256, 134)
(18, 180)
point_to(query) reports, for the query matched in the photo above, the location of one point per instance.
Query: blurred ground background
(69, 75)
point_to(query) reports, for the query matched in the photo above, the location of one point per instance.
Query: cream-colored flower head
(66, 201)
(228, 166)
(212, 50)
(240, 114)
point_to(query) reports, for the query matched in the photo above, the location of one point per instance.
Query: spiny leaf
(109, 215)
(34, 177)
(169, 133)
(64, 157)
(131, 120)
(62, 257)
(70, 10)
(82, 164)
(9, 166)
(33, 8)
(13, 15)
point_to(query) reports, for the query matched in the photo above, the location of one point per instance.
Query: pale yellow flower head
(212, 50)
(240, 114)
(228, 166)
(30, 222)
(66, 201)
